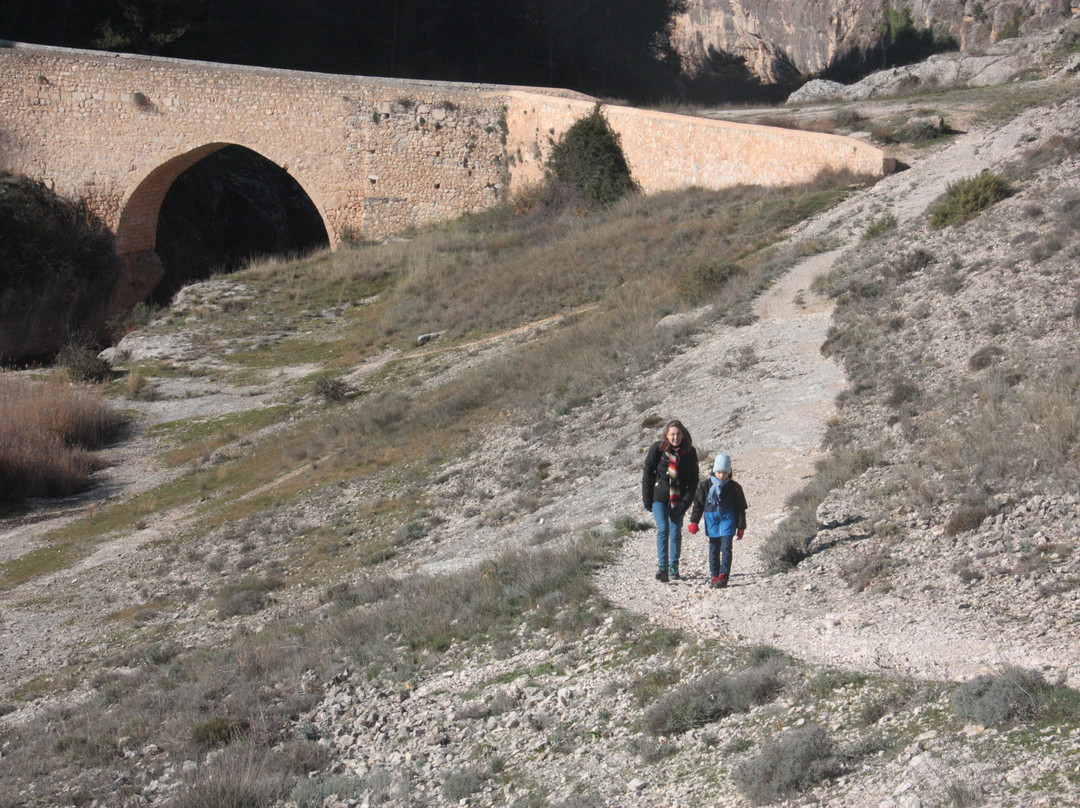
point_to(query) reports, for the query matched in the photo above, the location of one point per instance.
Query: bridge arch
(142, 211)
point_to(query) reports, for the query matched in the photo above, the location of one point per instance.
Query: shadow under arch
(185, 219)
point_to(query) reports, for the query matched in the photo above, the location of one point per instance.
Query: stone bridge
(373, 155)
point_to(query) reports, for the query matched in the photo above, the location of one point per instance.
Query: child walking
(723, 503)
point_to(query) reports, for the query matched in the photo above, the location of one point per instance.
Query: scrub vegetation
(592, 284)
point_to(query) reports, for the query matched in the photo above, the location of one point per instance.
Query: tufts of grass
(967, 517)
(47, 435)
(699, 284)
(799, 760)
(712, 697)
(219, 730)
(313, 792)
(790, 542)
(242, 779)
(985, 357)
(1013, 694)
(867, 571)
(247, 596)
(652, 750)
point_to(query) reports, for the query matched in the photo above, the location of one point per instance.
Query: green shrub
(712, 697)
(218, 730)
(590, 159)
(56, 256)
(647, 687)
(905, 43)
(331, 390)
(996, 699)
(53, 241)
(832, 679)
(801, 759)
(964, 198)
(880, 226)
(84, 365)
(700, 283)
(920, 131)
(463, 783)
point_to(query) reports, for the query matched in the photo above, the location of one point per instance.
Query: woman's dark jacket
(654, 479)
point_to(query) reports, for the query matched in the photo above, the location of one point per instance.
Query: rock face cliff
(786, 41)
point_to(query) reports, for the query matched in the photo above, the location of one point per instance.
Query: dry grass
(610, 275)
(47, 435)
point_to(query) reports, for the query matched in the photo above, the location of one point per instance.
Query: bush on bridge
(590, 159)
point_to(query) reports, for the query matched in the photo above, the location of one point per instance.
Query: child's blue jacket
(722, 504)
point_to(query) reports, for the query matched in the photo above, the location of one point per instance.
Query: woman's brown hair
(687, 441)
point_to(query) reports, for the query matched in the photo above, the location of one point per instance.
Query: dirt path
(770, 418)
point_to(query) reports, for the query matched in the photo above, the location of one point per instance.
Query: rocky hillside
(486, 630)
(783, 42)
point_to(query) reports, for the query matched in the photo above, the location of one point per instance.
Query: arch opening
(229, 207)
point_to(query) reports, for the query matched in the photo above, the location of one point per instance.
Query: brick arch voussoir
(136, 233)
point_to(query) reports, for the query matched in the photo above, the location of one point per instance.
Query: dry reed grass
(47, 435)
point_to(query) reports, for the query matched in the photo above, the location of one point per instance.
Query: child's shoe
(721, 581)
(715, 583)
(673, 570)
(662, 575)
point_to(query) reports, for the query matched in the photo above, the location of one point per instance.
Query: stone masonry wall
(374, 155)
(667, 151)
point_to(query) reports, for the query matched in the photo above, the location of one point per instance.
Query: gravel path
(771, 419)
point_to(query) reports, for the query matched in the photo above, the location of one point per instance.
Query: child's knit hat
(723, 463)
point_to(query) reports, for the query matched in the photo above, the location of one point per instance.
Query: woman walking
(668, 481)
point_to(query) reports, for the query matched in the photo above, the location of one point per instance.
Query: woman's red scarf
(674, 494)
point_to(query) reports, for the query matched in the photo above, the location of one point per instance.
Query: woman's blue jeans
(720, 555)
(668, 535)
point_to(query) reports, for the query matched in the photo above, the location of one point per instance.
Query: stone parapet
(666, 151)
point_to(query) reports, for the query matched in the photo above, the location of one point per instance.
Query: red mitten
(738, 533)
(692, 527)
